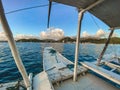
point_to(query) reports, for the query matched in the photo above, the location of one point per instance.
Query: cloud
(115, 35)
(85, 34)
(52, 33)
(2, 36)
(23, 36)
(17, 37)
(99, 34)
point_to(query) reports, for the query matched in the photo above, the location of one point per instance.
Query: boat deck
(13, 86)
(58, 67)
(41, 82)
(87, 82)
(4, 86)
(60, 73)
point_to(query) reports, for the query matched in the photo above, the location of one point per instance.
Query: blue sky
(34, 21)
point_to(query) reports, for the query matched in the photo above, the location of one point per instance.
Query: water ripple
(31, 55)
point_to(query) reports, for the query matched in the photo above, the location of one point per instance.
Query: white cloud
(115, 35)
(85, 34)
(23, 36)
(2, 36)
(18, 36)
(99, 34)
(52, 33)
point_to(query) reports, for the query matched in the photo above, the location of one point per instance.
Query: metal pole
(13, 47)
(80, 17)
(105, 47)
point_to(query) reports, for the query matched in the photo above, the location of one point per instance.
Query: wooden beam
(103, 72)
(112, 65)
(12, 45)
(80, 17)
(105, 47)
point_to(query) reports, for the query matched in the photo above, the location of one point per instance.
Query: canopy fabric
(107, 11)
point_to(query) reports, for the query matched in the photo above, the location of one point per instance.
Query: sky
(64, 20)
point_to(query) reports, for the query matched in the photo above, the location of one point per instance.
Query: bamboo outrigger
(58, 71)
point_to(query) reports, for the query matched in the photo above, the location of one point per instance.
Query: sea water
(31, 55)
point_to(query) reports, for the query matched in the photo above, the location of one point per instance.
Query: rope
(92, 17)
(27, 8)
(94, 21)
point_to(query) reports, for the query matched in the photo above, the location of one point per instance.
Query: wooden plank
(114, 66)
(109, 64)
(87, 82)
(105, 73)
(30, 78)
(56, 66)
(41, 82)
(6, 85)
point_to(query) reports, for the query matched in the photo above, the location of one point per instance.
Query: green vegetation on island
(114, 40)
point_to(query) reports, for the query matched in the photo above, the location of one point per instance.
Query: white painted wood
(4, 86)
(41, 82)
(31, 81)
(80, 17)
(113, 69)
(56, 66)
(105, 73)
(93, 5)
(112, 65)
(87, 82)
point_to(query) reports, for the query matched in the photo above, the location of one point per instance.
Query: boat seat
(60, 66)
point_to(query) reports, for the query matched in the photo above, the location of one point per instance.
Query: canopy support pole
(49, 13)
(80, 17)
(105, 47)
(13, 47)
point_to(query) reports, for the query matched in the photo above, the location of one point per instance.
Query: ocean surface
(31, 55)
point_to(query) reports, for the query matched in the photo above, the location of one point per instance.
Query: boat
(60, 73)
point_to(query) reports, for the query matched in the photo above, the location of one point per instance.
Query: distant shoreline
(114, 40)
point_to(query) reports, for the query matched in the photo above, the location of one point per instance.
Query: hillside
(114, 40)
(66, 39)
(35, 40)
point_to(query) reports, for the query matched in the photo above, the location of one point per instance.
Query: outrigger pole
(80, 17)
(49, 13)
(105, 47)
(13, 47)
